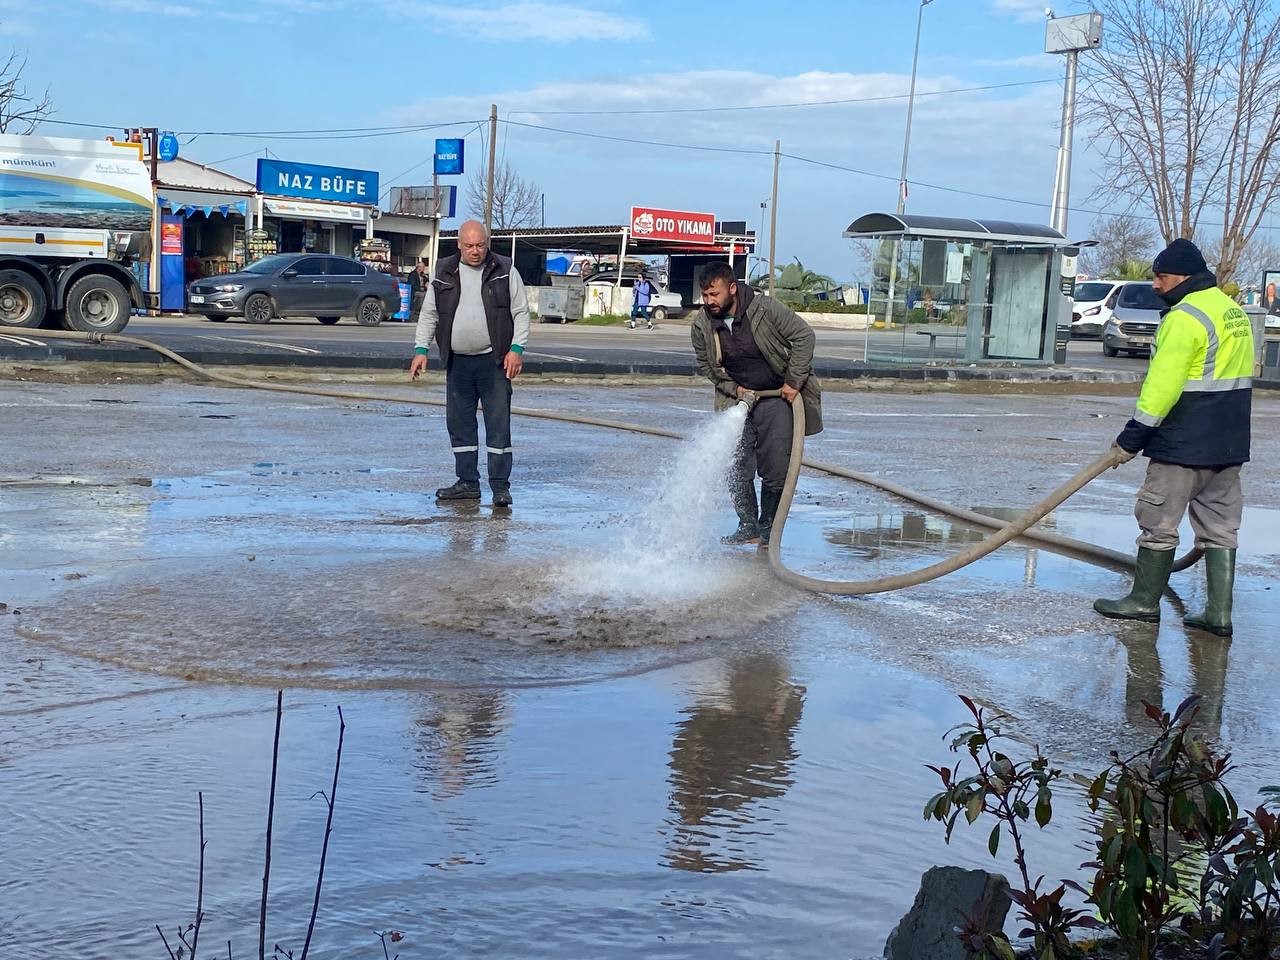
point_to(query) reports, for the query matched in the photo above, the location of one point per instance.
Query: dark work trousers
(472, 381)
(765, 449)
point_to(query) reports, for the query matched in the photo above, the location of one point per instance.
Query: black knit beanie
(1182, 258)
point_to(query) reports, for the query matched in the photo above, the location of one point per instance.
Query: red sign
(171, 238)
(679, 226)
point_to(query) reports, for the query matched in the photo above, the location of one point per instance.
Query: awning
(952, 228)
(190, 202)
(330, 212)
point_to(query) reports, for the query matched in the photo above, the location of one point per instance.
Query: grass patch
(604, 320)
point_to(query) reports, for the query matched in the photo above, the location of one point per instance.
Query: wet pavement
(555, 747)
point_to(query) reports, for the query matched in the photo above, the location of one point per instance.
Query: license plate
(1143, 341)
(197, 299)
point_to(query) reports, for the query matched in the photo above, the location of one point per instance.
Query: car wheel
(1109, 351)
(22, 300)
(369, 313)
(328, 321)
(97, 304)
(658, 314)
(257, 309)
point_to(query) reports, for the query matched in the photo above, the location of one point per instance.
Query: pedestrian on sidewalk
(641, 294)
(1192, 422)
(744, 343)
(419, 280)
(478, 312)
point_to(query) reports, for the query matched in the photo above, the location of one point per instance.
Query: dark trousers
(765, 449)
(479, 381)
(640, 310)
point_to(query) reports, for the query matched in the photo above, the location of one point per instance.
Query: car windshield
(1140, 296)
(271, 264)
(1089, 292)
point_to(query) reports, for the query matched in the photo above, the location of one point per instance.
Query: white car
(662, 303)
(1090, 314)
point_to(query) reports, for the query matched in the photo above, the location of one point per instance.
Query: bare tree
(20, 112)
(516, 201)
(1183, 102)
(1120, 240)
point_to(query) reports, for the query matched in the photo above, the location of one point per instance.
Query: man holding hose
(1192, 422)
(744, 343)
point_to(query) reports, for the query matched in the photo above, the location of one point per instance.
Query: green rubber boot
(1220, 573)
(1150, 578)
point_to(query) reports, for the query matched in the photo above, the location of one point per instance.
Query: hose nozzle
(748, 400)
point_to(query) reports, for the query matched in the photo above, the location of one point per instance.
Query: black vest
(495, 289)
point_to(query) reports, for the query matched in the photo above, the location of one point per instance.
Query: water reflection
(455, 748)
(732, 752)
(1145, 679)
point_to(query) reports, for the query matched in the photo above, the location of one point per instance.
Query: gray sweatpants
(1213, 495)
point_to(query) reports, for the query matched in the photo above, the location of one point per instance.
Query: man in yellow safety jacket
(1192, 422)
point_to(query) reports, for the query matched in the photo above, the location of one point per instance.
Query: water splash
(663, 554)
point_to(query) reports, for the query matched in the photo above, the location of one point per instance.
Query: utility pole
(773, 213)
(493, 157)
(902, 177)
(1062, 176)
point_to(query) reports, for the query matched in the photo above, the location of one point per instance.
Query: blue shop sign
(167, 149)
(306, 181)
(449, 156)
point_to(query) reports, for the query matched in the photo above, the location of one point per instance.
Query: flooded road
(555, 747)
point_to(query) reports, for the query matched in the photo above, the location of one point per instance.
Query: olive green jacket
(785, 341)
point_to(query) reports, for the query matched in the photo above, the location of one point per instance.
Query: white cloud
(527, 20)
(1025, 11)
(1033, 61)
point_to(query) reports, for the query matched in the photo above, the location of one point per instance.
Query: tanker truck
(75, 218)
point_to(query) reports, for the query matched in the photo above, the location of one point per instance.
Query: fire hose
(1004, 532)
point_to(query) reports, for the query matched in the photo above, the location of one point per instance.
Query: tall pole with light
(906, 150)
(1069, 36)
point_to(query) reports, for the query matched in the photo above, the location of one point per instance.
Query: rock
(946, 897)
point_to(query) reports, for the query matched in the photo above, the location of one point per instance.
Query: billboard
(448, 159)
(307, 181)
(420, 202)
(677, 226)
(1271, 292)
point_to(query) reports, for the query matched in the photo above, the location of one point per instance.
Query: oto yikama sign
(305, 181)
(679, 226)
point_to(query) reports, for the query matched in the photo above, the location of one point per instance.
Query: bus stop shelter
(978, 291)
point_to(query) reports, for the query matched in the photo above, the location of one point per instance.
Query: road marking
(262, 343)
(552, 356)
(22, 341)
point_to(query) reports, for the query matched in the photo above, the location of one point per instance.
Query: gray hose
(1086, 551)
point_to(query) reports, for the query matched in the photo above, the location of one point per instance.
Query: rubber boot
(1220, 573)
(769, 500)
(1150, 578)
(744, 502)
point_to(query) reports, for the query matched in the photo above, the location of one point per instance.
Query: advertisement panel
(449, 156)
(57, 182)
(678, 226)
(306, 181)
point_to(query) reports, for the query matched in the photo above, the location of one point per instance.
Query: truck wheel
(658, 314)
(22, 300)
(1109, 351)
(97, 304)
(257, 309)
(328, 321)
(369, 312)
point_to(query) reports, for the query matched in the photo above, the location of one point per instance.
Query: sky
(229, 76)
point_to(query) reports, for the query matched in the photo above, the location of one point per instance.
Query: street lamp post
(906, 150)
(1069, 36)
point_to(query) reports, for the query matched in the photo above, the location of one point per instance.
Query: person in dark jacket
(744, 342)
(1192, 421)
(419, 280)
(477, 310)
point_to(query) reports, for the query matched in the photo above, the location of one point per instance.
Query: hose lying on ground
(1005, 531)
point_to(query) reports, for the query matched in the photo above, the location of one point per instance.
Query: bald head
(473, 243)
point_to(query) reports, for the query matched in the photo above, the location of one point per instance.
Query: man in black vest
(477, 309)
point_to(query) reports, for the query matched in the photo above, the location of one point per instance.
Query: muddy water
(530, 770)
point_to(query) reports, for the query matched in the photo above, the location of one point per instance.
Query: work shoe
(459, 491)
(769, 500)
(1150, 577)
(502, 497)
(1220, 574)
(746, 533)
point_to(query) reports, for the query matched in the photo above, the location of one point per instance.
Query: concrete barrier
(842, 321)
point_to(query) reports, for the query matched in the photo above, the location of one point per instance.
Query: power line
(333, 133)
(776, 106)
(644, 143)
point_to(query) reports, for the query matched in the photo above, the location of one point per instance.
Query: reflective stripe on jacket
(1197, 395)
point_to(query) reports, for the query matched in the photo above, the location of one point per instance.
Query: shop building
(308, 208)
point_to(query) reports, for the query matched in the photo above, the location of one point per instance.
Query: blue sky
(248, 66)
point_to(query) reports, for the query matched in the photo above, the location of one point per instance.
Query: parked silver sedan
(298, 285)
